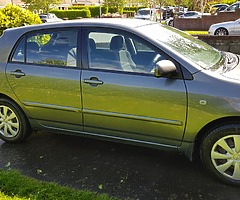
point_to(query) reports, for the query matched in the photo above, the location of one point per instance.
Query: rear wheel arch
(24, 130)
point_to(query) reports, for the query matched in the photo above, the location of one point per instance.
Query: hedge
(95, 10)
(129, 13)
(78, 7)
(133, 8)
(72, 14)
(115, 10)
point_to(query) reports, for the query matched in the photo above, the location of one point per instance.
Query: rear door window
(52, 47)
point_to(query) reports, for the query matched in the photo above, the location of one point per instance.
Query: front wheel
(170, 23)
(221, 32)
(220, 153)
(14, 126)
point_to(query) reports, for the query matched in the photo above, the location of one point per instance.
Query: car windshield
(192, 49)
(43, 16)
(143, 12)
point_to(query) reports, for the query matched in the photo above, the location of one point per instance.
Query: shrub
(112, 9)
(129, 13)
(14, 16)
(132, 8)
(95, 10)
(72, 14)
(77, 7)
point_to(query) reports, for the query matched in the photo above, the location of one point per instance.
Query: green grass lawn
(14, 186)
(5, 197)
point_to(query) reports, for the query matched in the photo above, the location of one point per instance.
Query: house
(64, 4)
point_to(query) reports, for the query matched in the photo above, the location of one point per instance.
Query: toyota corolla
(127, 80)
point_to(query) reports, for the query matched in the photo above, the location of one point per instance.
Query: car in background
(128, 80)
(50, 17)
(232, 7)
(225, 28)
(218, 8)
(167, 12)
(147, 14)
(189, 14)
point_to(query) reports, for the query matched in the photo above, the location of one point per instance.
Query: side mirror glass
(164, 68)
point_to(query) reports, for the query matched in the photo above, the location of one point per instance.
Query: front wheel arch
(207, 129)
(222, 29)
(205, 132)
(220, 153)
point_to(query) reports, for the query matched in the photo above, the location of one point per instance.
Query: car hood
(142, 16)
(223, 23)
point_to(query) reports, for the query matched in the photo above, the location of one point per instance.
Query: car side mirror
(165, 68)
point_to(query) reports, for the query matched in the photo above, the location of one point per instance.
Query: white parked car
(146, 14)
(50, 17)
(218, 7)
(225, 28)
(232, 7)
(189, 14)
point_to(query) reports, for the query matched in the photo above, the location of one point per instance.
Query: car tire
(170, 23)
(221, 32)
(220, 153)
(14, 126)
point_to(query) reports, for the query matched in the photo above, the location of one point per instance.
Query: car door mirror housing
(165, 68)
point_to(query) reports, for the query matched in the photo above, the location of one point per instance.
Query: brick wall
(203, 24)
(224, 43)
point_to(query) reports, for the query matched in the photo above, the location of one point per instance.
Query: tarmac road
(117, 169)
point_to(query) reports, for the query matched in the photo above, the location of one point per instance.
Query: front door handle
(93, 81)
(17, 73)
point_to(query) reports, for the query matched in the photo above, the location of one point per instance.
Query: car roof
(120, 23)
(219, 5)
(144, 9)
(91, 22)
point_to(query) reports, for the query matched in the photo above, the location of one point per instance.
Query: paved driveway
(117, 169)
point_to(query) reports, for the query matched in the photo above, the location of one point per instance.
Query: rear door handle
(17, 73)
(93, 81)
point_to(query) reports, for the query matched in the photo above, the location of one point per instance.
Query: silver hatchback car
(128, 80)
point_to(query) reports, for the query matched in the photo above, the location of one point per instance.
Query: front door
(237, 27)
(121, 96)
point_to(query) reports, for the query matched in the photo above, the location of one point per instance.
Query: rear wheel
(14, 126)
(220, 152)
(221, 32)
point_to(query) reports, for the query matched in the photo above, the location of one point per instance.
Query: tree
(115, 3)
(14, 16)
(41, 5)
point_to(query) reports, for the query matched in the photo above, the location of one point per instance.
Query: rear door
(46, 79)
